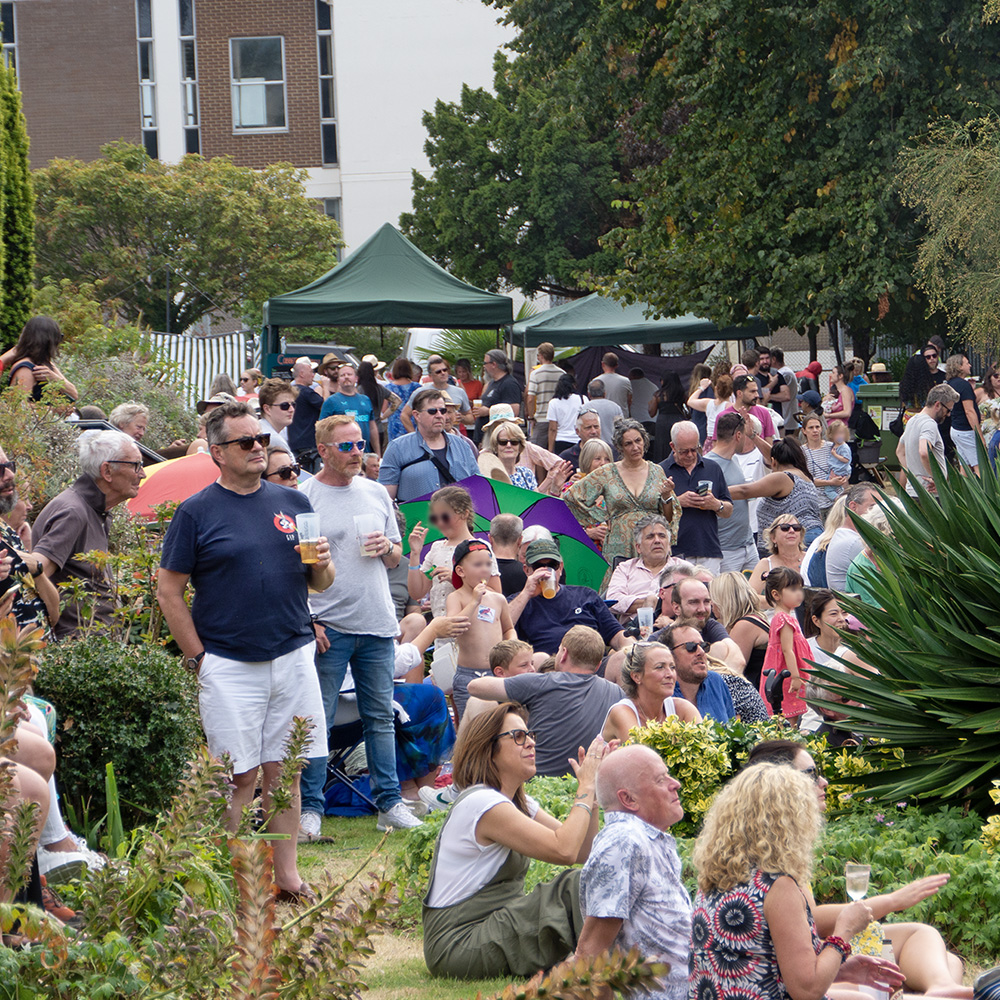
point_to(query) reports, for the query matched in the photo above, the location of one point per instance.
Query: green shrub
(135, 706)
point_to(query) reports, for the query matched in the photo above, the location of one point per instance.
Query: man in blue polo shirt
(701, 488)
(543, 621)
(695, 682)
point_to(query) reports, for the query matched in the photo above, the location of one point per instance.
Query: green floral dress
(621, 509)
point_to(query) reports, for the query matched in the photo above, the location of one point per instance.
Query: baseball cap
(542, 549)
(461, 551)
(742, 381)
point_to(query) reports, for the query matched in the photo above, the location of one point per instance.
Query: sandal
(303, 896)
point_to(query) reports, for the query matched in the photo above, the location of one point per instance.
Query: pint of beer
(549, 584)
(307, 525)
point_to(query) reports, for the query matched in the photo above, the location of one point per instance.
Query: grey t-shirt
(608, 411)
(566, 710)
(922, 427)
(616, 388)
(734, 531)
(844, 546)
(358, 601)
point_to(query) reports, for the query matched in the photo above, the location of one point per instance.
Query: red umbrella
(173, 480)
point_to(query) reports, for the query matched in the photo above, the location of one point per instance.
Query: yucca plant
(935, 642)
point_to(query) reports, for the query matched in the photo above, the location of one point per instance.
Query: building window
(147, 76)
(8, 36)
(331, 208)
(189, 78)
(327, 105)
(258, 81)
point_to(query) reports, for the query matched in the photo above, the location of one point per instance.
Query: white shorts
(965, 445)
(247, 708)
(737, 560)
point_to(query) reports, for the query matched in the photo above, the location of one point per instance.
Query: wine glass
(857, 880)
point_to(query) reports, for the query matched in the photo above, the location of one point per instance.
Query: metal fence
(202, 358)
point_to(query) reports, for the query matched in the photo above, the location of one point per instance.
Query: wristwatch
(722, 506)
(194, 662)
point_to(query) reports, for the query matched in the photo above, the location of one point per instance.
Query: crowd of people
(729, 541)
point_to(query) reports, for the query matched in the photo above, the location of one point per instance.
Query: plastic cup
(549, 584)
(365, 525)
(307, 525)
(645, 623)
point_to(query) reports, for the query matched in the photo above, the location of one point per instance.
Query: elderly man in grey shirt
(78, 520)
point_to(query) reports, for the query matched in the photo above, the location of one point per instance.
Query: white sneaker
(95, 861)
(60, 866)
(309, 827)
(438, 798)
(397, 818)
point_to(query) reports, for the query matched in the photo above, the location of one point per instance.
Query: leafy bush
(135, 706)
(935, 648)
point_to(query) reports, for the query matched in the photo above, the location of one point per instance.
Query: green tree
(17, 224)
(521, 188)
(953, 178)
(202, 235)
(777, 195)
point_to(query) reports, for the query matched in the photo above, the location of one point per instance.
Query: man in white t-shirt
(357, 614)
(617, 387)
(922, 438)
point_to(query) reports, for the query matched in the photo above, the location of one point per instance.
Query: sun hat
(502, 411)
(306, 360)
(877, 367)
(374, 362)
(217, 400)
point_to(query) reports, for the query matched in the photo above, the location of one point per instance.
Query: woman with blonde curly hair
(785, 540)
(753, 932)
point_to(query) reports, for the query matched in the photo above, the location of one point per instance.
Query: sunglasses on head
(519, 736)
(285, 472)
(248, 441)
(789, 527)
(692, 646)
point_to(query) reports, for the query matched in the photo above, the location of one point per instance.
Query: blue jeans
(371, 658)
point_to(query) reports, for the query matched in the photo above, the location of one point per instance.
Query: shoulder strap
(754, 621)
(443, 469)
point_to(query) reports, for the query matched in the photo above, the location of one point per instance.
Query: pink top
(791, 707)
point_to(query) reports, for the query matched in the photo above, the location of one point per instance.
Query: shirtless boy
(485, 609)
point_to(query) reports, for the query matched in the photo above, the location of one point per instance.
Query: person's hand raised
(417, 536)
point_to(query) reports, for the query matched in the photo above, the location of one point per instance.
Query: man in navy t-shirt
(543, 621)
(248, 634)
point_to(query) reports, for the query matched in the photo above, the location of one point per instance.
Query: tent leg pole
(381, 336)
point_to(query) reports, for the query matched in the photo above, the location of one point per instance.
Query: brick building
(334, 86)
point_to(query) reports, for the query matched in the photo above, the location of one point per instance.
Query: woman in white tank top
(648, 680)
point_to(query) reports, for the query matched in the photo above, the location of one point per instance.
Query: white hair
(534, 532)
(98, 447)
(123, 414)
(682, 427)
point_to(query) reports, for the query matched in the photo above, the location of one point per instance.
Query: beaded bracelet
(840, 945)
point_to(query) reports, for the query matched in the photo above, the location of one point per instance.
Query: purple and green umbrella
(583, 564)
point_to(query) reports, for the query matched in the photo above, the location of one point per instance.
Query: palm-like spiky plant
(935, 642)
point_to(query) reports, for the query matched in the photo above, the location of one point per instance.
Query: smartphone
(703, 487)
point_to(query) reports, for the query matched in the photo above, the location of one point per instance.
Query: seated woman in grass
(478, 921)
(918, 949)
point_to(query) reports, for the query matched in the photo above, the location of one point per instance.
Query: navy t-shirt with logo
(250, 585)
(545, 621)
(358, 406)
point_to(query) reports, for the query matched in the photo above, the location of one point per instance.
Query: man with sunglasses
(427, 459)
(922, 438)
(695, 681)
(440, 373)
(248, 634)
(358, 615)
(79, 520)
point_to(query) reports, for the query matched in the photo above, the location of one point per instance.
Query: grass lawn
(397, 970)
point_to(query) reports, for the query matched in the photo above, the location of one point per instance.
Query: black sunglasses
(932, 355)
(810, 772)
(4, 466)
(692, 646)
(284, 406)
(506, 441)
(433, 410)
(519, 736)
(248, 441)
(285, 472)
(545, 564)
(789, 527)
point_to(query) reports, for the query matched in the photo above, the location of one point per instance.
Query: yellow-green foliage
(991, 830)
